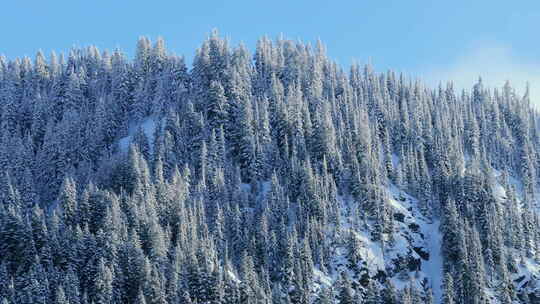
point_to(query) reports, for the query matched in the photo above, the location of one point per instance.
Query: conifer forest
(268, 176)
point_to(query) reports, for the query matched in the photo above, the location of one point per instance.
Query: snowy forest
(273, 176)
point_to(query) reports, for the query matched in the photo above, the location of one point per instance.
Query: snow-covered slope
(148, 126)
(433, 266)
(527, 275)
(412, 257)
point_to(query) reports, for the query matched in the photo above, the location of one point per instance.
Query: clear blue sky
(434, 40)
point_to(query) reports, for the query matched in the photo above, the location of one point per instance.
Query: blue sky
(433, 40)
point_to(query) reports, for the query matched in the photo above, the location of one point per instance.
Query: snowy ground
(433, 267)
(149, 128)
(429, 240)
(528, 272)
(413, 231)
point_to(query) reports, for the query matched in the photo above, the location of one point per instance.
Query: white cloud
(495, 64)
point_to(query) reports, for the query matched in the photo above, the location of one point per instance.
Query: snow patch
(433, 267)
(321, 278)
(149, 128)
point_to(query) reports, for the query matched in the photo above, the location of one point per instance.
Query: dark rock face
(414, 227)
(380, 276)
(534, 299)
(400, 217)
(422, 253)
(414, 264)
(520, 279)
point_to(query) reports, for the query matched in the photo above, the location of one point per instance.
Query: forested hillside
(267, 177)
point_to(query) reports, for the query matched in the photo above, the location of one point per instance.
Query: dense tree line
(236, 196)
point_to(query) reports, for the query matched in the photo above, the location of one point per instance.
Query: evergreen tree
(67, 199)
